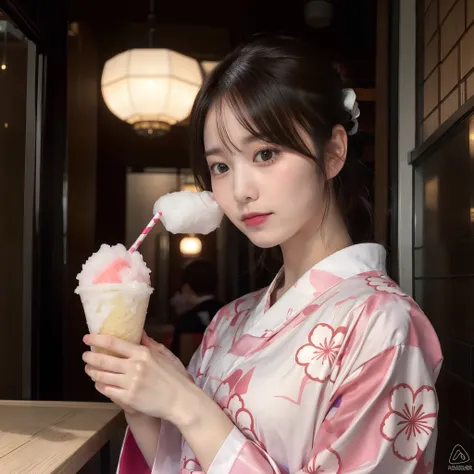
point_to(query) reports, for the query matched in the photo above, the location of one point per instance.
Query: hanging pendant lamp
(151, 89)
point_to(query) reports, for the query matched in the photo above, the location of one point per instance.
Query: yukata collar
(343, 264)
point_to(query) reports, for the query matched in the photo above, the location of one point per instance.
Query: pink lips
(255, 219)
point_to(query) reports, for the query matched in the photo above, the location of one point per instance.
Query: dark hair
(278, 87)
(201, 276)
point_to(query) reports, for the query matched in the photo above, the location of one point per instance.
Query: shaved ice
(114, 264)
(114, 287)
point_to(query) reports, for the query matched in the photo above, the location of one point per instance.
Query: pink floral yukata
(336, 377)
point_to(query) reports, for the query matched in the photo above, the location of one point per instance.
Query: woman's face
(269, 193)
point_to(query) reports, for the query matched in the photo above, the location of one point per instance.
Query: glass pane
(449, 72)
(444, 260)
(431, 55)
(444, 192)
(470, 87)
(450, 105)
(13, 100)
(467, 52)
(452, 28)
(430, 124)
(431, 21)
(444, 7)
(448, 303)
(431, 93)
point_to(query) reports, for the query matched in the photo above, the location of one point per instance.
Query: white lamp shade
(190, 246)
(141, 85)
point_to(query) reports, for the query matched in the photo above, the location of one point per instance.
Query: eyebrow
(249, 139)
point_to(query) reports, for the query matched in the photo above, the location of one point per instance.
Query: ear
(335, 152)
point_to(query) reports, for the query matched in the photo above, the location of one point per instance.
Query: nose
(245, 185)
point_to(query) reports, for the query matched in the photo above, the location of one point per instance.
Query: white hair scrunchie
(351, 105)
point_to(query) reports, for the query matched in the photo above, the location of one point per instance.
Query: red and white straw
(145, 232)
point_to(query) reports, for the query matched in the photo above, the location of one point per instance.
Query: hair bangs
(222, 132)
(267, 114)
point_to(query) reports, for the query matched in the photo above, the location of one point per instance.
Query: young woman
(332, 368)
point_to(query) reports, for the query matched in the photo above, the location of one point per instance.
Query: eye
(218, 168)
(265, 155)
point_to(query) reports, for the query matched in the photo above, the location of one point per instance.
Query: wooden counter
(54, 437)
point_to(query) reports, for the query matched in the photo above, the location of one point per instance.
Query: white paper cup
(116, 309)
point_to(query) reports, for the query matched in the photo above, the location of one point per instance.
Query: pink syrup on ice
(112, 273)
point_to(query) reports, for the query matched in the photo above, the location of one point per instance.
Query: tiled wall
(448, 51)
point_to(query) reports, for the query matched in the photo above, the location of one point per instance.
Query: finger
(106, 378)
(124, 407)
(111, 344)
(114, 393)
(105, 362)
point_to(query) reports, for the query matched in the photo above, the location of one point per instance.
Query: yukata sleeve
(168, 454)
(131, 459)
(383, 416)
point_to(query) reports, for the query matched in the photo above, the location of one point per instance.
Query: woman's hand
(145, 378)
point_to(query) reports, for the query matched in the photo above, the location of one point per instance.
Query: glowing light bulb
(190, 246)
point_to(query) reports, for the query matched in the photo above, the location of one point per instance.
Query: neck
(313, 243)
